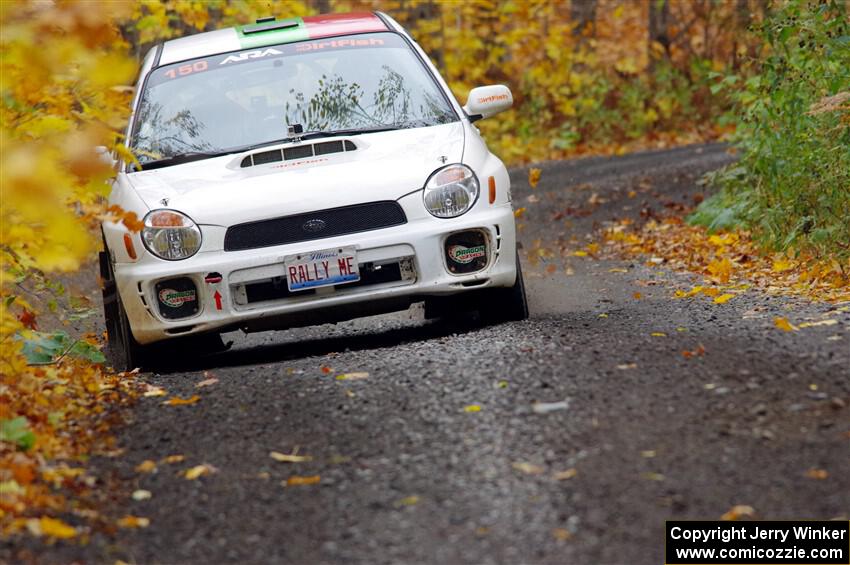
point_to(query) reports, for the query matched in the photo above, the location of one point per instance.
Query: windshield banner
(272, 54)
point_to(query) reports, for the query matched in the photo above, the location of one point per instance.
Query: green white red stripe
(313, 27)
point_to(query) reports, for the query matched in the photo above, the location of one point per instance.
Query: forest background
(588, 77)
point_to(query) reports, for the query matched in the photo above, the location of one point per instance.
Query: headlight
(171, 235)
(451, 191)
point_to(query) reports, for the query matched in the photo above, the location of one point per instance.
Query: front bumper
(225, 304)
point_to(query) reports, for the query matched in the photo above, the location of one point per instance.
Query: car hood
(219, 191)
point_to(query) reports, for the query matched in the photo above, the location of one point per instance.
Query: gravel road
(632, 433)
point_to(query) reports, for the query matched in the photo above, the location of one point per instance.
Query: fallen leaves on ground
(178, 401)
(728, 258)
(297, 480)
(206, 382)
(356, 376)
(817, 474)
(141, 494)
(533, 177)
(27, 318)
(720, 269)
(561, 534)
(783, 324)
(173, 458)
(50, 527)
(711, 292)
(61, 411)
(289, 458)
(739, 511)
(528, 468)
(198, 471)
(782, 265)
(565, 475)
(53, 118)
(829, 322)
(146, 466)
(151, 390)
(472, 408)
(131, 522)
(547, 407)
(412, 500)
(698, 352)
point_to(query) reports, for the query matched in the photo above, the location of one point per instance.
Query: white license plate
(321, 268)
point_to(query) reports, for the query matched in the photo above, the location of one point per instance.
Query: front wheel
(122, 350)
(506, 304)
(494, 305)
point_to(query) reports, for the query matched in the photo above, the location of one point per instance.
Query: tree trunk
(742, 24)
(659, 20)
(583, 16)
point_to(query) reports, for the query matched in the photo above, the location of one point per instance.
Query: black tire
(122, 350)
(494, 305)
(506, 304)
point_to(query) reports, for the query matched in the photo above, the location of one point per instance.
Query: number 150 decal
(184, 70)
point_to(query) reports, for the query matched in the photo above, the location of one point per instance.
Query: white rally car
(301, 171)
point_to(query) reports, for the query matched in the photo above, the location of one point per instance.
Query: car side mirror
(486, 101)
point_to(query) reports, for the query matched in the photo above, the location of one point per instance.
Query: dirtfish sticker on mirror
(176, 298)
(461, 254)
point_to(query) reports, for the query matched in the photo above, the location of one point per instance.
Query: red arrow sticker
(217, 298)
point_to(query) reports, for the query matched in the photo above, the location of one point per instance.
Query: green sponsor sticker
(463, 255)
(176, 298)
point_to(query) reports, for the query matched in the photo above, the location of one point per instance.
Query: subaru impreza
(301, 171)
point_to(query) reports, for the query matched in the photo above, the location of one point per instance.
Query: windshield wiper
(318, 134)
(186, 157)
(355, 131)
(340, 132)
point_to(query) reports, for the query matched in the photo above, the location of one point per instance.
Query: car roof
(269, 31)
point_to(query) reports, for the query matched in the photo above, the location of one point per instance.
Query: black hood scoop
(298, 152)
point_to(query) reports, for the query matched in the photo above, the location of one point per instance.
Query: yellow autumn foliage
(606, 89)
(67, 67)
(728, 261)
(64, 90)
(65, 75)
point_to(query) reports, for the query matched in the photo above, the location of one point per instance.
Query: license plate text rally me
(321, 268)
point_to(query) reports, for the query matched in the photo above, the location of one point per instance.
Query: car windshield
(236, 100)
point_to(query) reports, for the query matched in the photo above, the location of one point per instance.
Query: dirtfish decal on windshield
(338, 43)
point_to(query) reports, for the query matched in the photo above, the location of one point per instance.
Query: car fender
(485, 164)
(125, 197)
